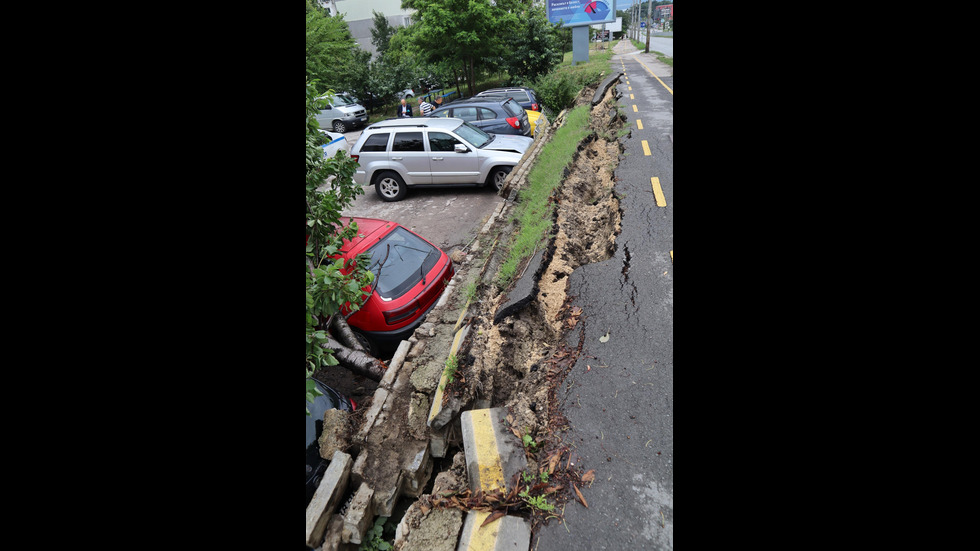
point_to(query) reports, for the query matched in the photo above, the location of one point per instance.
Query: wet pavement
(620, 392)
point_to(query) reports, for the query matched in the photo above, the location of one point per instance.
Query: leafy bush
(557, 89)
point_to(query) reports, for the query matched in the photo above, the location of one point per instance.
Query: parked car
(343, 113)
(495, 114)
(334, 142)
(537, 120)
(410, 274)
(316, 465)
(406, 93)
(524, 96)
(397, 154)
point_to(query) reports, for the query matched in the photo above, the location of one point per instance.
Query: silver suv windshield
(474, 135)
(343, 99)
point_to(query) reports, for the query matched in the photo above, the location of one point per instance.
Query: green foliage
(452, 364)
(557, 90)
(534, 207)
(529, 443)
(331, 283)
(329, 48)
(474, 33)
(381, 32)
(374, 537)
(534, 47)
(536, 502)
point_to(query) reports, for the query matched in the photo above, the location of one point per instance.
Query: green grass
(534, 211)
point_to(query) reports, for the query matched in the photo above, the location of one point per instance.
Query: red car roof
(365, 228)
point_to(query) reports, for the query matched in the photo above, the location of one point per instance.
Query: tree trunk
(358, 362)
(344, 333)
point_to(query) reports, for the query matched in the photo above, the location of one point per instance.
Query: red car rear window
(399, 261)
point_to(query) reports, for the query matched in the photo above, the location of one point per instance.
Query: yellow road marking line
(631, 88)
(483, 539)
(487, 456)
(639, 124)
(671, 257)
(658, 193)
(646, 148)
(656, 77)
(631, 96)
(634, 109)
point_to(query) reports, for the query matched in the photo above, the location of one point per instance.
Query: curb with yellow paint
(507, 532)
(494, 455)
(438, 415)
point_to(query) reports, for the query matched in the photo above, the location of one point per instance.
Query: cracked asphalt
(619, 394)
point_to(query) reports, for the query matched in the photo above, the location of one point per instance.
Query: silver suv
(397, 154)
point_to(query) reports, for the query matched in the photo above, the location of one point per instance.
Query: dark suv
(524, 96)
(492, 114)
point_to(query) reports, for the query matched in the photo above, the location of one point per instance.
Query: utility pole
(649, 11)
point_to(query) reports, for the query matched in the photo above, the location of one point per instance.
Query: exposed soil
(521, 362)
(510, 360)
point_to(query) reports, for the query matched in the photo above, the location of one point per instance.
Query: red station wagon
(410, 275)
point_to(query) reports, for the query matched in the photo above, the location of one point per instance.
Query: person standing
(425, 107)
(404, 110)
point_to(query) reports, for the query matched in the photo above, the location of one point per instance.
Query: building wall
(360, 18)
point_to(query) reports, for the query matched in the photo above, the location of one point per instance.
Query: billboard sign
(578, 13)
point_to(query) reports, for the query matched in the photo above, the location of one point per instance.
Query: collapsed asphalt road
(619, 400)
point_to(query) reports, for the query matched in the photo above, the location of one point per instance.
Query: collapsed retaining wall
(413, 415)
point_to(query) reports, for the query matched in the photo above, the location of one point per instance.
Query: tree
(331, 283)
(535, 47)
(329, 49)
(381, 32)
(469, 31)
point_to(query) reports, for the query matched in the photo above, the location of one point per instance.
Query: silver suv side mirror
(460, 148)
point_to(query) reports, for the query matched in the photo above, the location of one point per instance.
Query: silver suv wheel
(390, 186)
(499, 175)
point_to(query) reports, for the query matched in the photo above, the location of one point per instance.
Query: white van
(342, 114)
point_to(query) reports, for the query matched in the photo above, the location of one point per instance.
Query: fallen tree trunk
(345, 334)
(357, 361)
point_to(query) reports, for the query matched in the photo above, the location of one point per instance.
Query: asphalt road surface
(619, 399)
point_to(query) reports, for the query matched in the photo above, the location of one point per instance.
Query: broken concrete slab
(334, 529)
(441, 413)
(417, 473)
(523, 290)
(326, 498)
(435, 530)
(395, 365)
(335, 436)
(507, 532)
(600, 92)
(359, 516)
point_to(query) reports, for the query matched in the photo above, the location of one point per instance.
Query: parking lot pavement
(352, 137)
(448, 217)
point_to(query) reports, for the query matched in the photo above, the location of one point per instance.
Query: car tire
(497, 176)
(369, 346)
(390, 186)
(338, 126)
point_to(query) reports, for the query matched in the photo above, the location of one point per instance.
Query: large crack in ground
(509, 358)
(520, 362)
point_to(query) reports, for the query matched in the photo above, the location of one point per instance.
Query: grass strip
(534, 211)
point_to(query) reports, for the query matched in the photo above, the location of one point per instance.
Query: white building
(360, 17)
